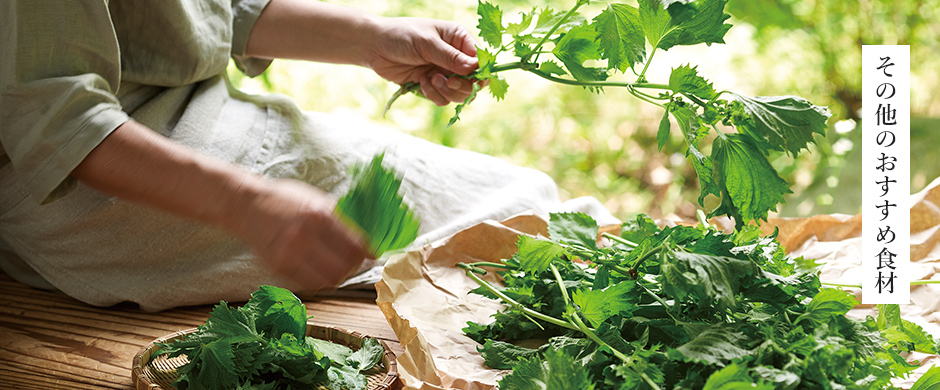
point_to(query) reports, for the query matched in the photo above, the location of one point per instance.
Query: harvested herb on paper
(374, 204)
(615, 48)
(681, 308)
(262, 345)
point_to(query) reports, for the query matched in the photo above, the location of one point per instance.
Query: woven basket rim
(143, 358)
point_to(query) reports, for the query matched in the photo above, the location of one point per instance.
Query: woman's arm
(290, 225)
(315, 31)
(401, 50)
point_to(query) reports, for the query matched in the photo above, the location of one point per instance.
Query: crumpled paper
(425, 297)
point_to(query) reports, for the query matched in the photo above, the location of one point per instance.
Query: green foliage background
(605, 145)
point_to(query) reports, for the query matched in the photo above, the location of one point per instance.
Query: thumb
(448, 57)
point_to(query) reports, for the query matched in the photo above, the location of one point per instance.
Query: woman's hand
(401, 50)
(429, 52)
(293, 228)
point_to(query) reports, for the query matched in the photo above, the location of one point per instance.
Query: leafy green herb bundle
(571, 48)
(681, 308)
(262, 345)
(374, 205)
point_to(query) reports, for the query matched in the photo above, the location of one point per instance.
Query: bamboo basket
(160, 373)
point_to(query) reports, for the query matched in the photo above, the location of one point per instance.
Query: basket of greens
(265, 344)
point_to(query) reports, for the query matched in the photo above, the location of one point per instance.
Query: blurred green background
(604, 145)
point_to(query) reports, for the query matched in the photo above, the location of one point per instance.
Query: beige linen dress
(74, 70)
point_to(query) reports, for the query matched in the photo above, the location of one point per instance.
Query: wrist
(371, 31)
(238, 205)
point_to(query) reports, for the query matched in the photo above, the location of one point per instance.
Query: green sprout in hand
(375, 206)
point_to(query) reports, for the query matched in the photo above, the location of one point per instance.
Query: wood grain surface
(51, 341)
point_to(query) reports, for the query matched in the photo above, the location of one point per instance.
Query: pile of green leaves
(571, 48)
(262, 345)
(681, 308)
(374, 205)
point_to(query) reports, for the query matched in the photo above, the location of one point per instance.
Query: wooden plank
(359, 315)
(51, 341)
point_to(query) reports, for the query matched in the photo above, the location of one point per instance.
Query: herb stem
(658, 299)
(583, 254)
(402, 90)
(648, 95)
(492, 265)
(695, 100)
(619, 239)
(580, 83)
(517, 305)
(621, 270)
(576, 318)
(649, 60)
(702, 219)
(561, 284)
(922, 282)
(720, 133)
(717, 95)
(652, 86)
(785, 313)
(840, 284)
(612, 264)
(643, 97)
(770, 344)
(649, 381)
(914, 283)
(645, 256)
(508, 66)
(554, 28)
(585, 83)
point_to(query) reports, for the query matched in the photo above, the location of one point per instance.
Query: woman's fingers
(298, 237)
(444, 90)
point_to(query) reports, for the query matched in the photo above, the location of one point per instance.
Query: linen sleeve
(60, 72)
(244, 15)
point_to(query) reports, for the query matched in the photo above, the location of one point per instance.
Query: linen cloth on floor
(160, 64)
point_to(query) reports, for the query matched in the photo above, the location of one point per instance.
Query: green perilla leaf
(620, 36)
(576, 47)
(374, 204)
(573, 229)
(785, 123)
(558, 371)
(599, 305)
(548, 18)
(518, 28)
(491, 23)
(683, 23)
(828, 303)
(685, 79)
(535, 255)
(750, 187)
(734, 377)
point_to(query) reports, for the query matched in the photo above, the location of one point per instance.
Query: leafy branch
(625, 37)
(704, 310)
